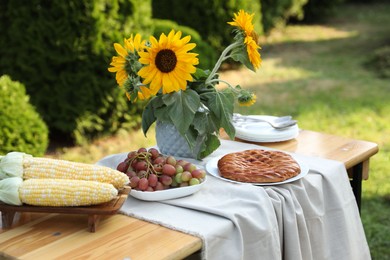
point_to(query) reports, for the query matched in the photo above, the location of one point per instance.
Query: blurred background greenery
(327, 63)
(60, 50)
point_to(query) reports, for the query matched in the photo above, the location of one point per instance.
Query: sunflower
(252, 50)
(126, 66)
(118, 63)
(243, 21)
(246, 98)
(167, 63)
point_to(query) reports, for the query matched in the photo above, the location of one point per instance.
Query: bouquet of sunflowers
(164, 72)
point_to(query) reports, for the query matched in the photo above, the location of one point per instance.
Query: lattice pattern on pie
(258, 166)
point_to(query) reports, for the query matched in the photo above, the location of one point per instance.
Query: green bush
(207, 55)
(60, 50)
(277, 13)
(380, 62)
(320, 10)
(21, 127)
(209, 18)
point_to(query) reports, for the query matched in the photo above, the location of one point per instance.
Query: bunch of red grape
(149, 170)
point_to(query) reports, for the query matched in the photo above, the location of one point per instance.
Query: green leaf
(201, 123)
(241, 55)
(201, 74)
(209, 146)
(160, 109)
(148, 117)
(181, 108)
(191, 137)
(221, 105)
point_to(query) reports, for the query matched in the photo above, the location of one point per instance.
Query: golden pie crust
(258, 166)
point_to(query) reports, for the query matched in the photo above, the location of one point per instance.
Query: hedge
(379, 61)
(320, 10)
(21, 127)
(277, 13)
(60, 51)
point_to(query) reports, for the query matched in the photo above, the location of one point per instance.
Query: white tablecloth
(315, 217)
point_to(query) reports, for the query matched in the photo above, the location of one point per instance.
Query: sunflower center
(166, 60)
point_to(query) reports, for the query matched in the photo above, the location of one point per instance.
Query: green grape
(178, 177)
(194, 181)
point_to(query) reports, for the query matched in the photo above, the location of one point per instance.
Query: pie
(258, 166)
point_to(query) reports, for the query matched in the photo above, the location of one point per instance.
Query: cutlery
(277, 123)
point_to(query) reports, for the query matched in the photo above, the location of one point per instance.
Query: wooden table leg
(7, 218)
(356, 183)
(93, 221)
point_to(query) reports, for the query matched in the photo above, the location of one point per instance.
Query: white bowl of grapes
(154, 176)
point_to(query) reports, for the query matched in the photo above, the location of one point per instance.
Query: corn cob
(23, 165)
(55, 192)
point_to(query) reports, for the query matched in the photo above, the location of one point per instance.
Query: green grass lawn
(316, 73)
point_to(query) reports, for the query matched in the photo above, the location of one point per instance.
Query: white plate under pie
(212, 168)
(263, 132)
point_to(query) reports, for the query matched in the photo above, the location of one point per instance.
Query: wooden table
(65, 236)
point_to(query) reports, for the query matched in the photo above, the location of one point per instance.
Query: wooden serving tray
(94, 212)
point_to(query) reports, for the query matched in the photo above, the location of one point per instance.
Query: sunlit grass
(122, 142)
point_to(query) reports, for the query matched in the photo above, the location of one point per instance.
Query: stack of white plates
(263, 132)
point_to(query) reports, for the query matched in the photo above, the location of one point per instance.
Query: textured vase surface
(170, 142)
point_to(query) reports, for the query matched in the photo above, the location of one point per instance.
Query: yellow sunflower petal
(243, 21)
(128, 95)
(147, 74)
(253, 53)
(153, 41)
(138, 42)
(145, 93)
(121, 77)
(167, 84)
(113, 69)
(176, 36)
(156, 84)
(186, 48)
(163, 41)
(120, 50)
(174, 82)
(182, 81)
(186, 39)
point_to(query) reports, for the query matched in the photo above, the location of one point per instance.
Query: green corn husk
(9, 190)
(11, 165)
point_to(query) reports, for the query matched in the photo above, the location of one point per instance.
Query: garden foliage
(277, 13)
(209, 18)
(320, 10)
(60, 51)
(21, 127)
(379, 62)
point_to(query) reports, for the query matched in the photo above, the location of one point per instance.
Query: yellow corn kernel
(64, 192)
(38, 167)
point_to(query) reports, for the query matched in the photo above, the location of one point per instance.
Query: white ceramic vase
(170, 142)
